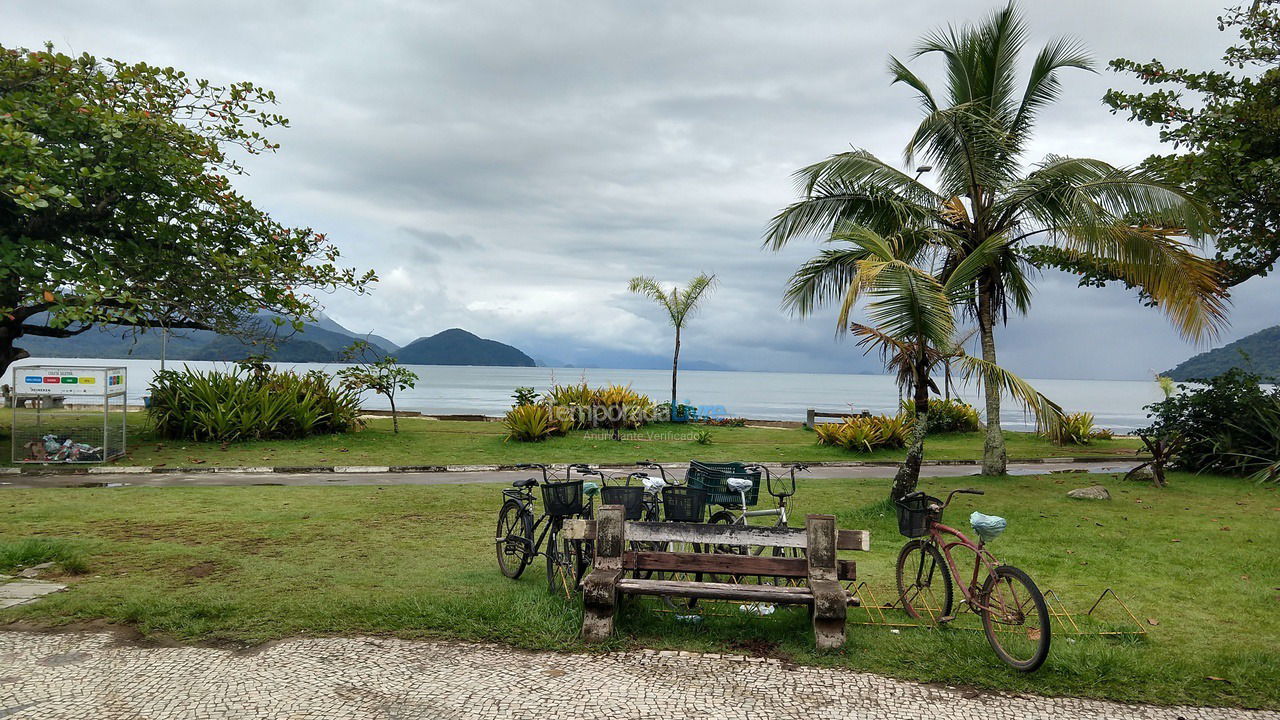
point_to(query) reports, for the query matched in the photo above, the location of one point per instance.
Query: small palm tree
(974, 136)
(913, 317)
(680, 305)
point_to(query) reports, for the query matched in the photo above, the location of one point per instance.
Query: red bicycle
(1014, 615)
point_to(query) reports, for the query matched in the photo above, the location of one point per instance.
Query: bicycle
(515, 539)
(1015, 618)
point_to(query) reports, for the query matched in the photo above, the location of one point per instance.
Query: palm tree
(913, 316)
(976, 135)
(680, 305)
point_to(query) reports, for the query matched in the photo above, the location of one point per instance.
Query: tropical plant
(1228, 424)
(702, 437)
(976, 135)
(524, 395)
(680, 305)
(530, 423)
(380, 375)
(828, 433)
(894, 430)
(913, 312)
(947, 416)
(225, 407)
(1076, 429)
(860, 434)
(117, 208)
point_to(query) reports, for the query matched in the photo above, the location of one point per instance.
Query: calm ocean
(759, 395)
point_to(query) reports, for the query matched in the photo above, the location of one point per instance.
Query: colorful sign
(68, 381)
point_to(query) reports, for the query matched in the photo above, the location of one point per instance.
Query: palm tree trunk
(994, 455)
(675, 367)
(908, 475)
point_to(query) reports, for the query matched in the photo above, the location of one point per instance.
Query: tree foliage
(379, 374)
(1225, 126)
(116, 203)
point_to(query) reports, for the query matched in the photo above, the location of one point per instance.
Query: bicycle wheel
(924, 582)
(514, 539)
(1015, 618)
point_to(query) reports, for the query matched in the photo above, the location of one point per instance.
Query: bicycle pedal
(946, 619)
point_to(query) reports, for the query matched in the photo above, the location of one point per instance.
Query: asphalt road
(234, 479)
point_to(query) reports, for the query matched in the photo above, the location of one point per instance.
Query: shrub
(828, 433)
(947, 416)
(1076, 429)
(860, 434)
(524, 395)
(531, 423)
(264, 404)
(578, 407)
(723, 422)
(1228, 424)
(893, 429)
(702, 437)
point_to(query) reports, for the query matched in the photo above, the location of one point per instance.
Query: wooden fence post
(600, 587)
(808, 418)
(830, 603)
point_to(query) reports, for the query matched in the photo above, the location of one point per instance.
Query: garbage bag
(590, 489)
(653, 485)
(988, 527)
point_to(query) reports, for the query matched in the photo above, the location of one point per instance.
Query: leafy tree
(680, 304)
(1227, 124)
(975, 137)
(913, 316)
(378, 374)
(116, 205)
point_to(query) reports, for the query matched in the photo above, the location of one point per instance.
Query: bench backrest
(664, 532)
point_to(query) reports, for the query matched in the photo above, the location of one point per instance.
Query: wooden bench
(820, 570)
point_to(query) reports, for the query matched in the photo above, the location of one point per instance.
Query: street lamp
(922, 170)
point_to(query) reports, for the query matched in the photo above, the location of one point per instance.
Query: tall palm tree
(913, 317)
(680, 304)
(975, 136)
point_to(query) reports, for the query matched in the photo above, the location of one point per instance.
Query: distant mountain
(321, 341)
(324, 322)
(1258, 353)
(459, 347)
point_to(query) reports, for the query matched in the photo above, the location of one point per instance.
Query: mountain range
(321, 341)
(1258, 353)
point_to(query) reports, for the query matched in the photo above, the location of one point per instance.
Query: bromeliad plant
(912, 312)
(226, 407)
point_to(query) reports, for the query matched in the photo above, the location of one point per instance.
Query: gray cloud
(507, 166)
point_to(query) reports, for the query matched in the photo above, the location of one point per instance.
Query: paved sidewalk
(60, 676)
(202, 479)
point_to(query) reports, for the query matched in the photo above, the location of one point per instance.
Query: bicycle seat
(988, 527)
(527, 482)
(739, 484)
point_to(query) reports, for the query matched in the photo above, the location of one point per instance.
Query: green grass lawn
(441, 442)
(248, 564)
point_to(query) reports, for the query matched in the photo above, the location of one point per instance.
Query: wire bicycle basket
(684, 504)
(630, 497)
(915, 514)
(562, 499)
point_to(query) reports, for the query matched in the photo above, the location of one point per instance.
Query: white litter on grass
(760, 609)
(689, 618)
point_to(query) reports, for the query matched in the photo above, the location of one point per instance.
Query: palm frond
(1048, 414)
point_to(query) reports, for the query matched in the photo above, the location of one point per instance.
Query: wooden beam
(729, 564)
(706, 534)
(717, 591)
(578, 529)
(853, 540)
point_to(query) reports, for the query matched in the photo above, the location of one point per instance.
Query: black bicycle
(520, 537)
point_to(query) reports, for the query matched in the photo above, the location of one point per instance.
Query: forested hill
(1258, 353)
(459, 347)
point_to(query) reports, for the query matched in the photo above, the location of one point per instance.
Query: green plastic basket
(713, 478)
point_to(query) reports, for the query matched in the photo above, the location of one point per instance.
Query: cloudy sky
(507, 166)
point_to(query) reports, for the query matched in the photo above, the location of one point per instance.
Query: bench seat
(777, 594)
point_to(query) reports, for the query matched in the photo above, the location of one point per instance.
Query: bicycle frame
(982, 557)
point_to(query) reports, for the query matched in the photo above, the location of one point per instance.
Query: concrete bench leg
(600, 588)
(830, 604)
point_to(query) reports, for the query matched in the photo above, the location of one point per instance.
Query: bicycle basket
(713, 477)
(915, 514)
(684, 504)
(562, 499)
(630, 497)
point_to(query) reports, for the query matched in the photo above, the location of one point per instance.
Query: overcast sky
(507, 166)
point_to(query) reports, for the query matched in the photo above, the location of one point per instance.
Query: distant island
(319, 342)
(1258, 353)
